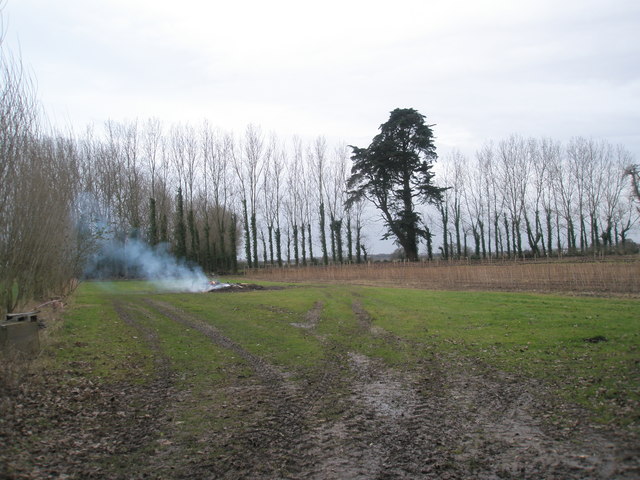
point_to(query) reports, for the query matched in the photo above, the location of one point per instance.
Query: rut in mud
(353, 417)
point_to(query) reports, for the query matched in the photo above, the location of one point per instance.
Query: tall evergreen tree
(395, 173)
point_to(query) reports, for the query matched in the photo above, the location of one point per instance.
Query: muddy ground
(355, 418)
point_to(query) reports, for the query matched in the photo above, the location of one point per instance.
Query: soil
(356, 418)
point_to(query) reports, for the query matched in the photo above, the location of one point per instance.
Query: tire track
(311, 318)
(378, 414)
(357, 418)
(162, 363)
(459, 422)
(263, 449)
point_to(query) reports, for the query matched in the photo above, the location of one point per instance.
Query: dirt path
(68, 426)
(355, 418)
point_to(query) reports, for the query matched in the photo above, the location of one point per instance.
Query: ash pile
(215, 287)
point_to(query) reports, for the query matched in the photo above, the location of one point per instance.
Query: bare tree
(612, 194)
(476, 206)
(249, 167)
(151, 151)
(295, 201)
(253, 159)
(335, 194)
(550, 156)
(533, 202)
(513, 174)
(318, 156)
(272, 195)
(453, 178)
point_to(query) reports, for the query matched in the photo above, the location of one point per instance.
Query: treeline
(140, 182)
(205, 191)
(40, 250)
(537, 197)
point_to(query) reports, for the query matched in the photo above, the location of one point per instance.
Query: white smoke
(115, 254)
(133, 258)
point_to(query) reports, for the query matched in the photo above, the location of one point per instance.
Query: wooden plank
(21, 317)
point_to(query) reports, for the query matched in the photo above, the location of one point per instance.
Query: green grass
(538, 336)
(95, 340)
(541, 336)
(260, 321)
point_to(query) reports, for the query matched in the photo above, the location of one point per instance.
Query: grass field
(225, 375)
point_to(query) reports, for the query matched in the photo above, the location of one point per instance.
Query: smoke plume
(135, 259)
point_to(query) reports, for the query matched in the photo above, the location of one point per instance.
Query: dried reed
(595, 277)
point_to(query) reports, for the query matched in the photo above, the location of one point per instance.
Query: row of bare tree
(538, 197)
(206, 191)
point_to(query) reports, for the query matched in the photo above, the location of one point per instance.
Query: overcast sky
(478, 70)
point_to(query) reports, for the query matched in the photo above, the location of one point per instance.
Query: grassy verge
(94, 340)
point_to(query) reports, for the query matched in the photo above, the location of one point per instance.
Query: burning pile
(215, 286)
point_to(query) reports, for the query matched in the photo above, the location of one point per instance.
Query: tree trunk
(247, 235)
(323, 238)
(278, 247)
(153, 225)
(332, 230)
(303, 244)
(234, 244)
(254, 231)
(349, 240)
(296, 253)
(181, 231)
(270, 229)
(445, 232)
(311, 259)
(338, 232)
(264, 248)
(507, 230)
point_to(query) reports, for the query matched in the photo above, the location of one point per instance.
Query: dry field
(586, 277)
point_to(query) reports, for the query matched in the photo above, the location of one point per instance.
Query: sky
(478, 70)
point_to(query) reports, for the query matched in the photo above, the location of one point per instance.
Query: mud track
(354, 417)
(360, 419)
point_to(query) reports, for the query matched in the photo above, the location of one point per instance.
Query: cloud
(477, 69)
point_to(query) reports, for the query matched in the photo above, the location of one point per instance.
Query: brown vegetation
(593, 277)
